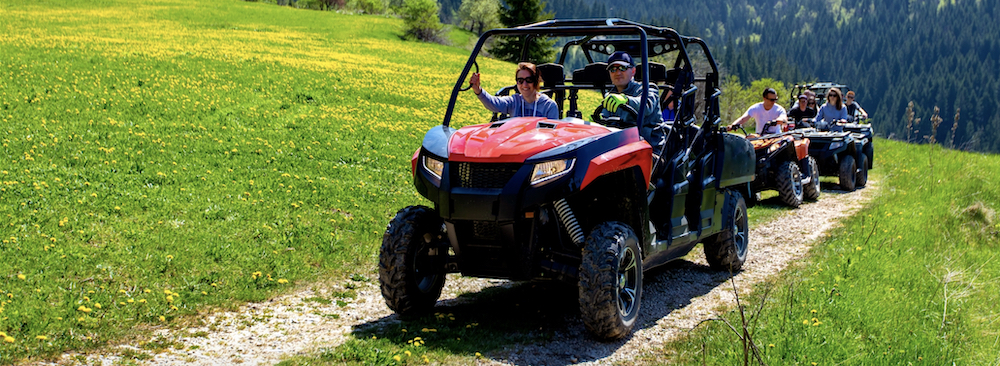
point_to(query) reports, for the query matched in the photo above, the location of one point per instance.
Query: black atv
(861, 128)
(842, 154)
(784, 165)
(589, 202)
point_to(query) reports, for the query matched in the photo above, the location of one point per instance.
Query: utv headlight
(550, 170)
(433, 166)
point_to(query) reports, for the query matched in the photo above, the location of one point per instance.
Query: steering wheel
(615, 121)
(476, 64)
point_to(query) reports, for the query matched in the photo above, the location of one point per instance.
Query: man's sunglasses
(618, 68)
(529, 80)
(773, 100)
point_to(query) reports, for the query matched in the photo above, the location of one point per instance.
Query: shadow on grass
(527, 323)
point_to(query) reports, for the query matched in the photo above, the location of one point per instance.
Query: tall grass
(913, 278)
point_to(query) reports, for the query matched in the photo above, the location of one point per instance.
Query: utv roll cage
(604, 37)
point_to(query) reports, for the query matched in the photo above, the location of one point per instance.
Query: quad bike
(841, 153)
(862, 129)
(784, 165)
(587, 202)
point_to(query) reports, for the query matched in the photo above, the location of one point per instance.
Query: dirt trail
(675, 299)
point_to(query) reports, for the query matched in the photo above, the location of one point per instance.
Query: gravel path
(675, 299)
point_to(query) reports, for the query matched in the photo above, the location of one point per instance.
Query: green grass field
(914, 278)
(161, 158)
(170, 157)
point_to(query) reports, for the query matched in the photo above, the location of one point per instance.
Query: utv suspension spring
(569, 221)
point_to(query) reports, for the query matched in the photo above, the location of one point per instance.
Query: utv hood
(517, 139)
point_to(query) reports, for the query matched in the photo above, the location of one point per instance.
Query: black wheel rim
(740, 232)
(425, 282)
(628, 282)
(797, 182)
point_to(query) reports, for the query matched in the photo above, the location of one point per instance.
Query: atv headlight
(433, 166)
(550, 170)
(775, 146)
(836, 145)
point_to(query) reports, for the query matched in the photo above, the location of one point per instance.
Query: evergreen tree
(517, 13)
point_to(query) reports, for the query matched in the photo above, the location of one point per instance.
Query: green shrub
(368, 6)
(420, 18)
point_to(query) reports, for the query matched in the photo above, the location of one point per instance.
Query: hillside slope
(164, 157)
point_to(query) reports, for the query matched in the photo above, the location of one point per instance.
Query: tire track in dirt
(675, 299)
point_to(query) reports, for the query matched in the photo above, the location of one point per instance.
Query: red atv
(784, 165)
(589, 202)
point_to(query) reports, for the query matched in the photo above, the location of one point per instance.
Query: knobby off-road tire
(610, 281)
(789, 181)
(408, 286)
(727, 250)
(811, 190)
(869, 150)
(848, 173)
(861, 178)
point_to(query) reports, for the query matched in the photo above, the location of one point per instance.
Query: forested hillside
(933, 52)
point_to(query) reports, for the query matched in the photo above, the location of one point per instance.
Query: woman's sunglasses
(529, 80)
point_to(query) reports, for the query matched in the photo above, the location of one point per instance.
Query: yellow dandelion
(282, 280)
(408, 354)
(163, 318)
(169, 257)
(97, 305)
(41, 337)
(170, 299)
(478, 355)
(8, 339)
(21, 276)
(84, 309)
(770, 345)
(397, 358)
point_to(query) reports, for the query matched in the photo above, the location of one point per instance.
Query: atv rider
(764, 112)
(628, 91)
(854, 110)
(529, 103)
(831, 112)
(801, 113)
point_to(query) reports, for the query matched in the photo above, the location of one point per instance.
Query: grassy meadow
(163, 158)
(913, 278)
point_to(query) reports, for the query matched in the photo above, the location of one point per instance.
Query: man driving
(621, 68)
(764, 112)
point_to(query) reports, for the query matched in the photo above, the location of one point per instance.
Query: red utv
(589, 202)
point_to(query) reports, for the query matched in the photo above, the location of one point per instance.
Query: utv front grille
(488, 230)
(483, 175)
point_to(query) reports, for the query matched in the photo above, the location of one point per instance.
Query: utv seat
(595, 74)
